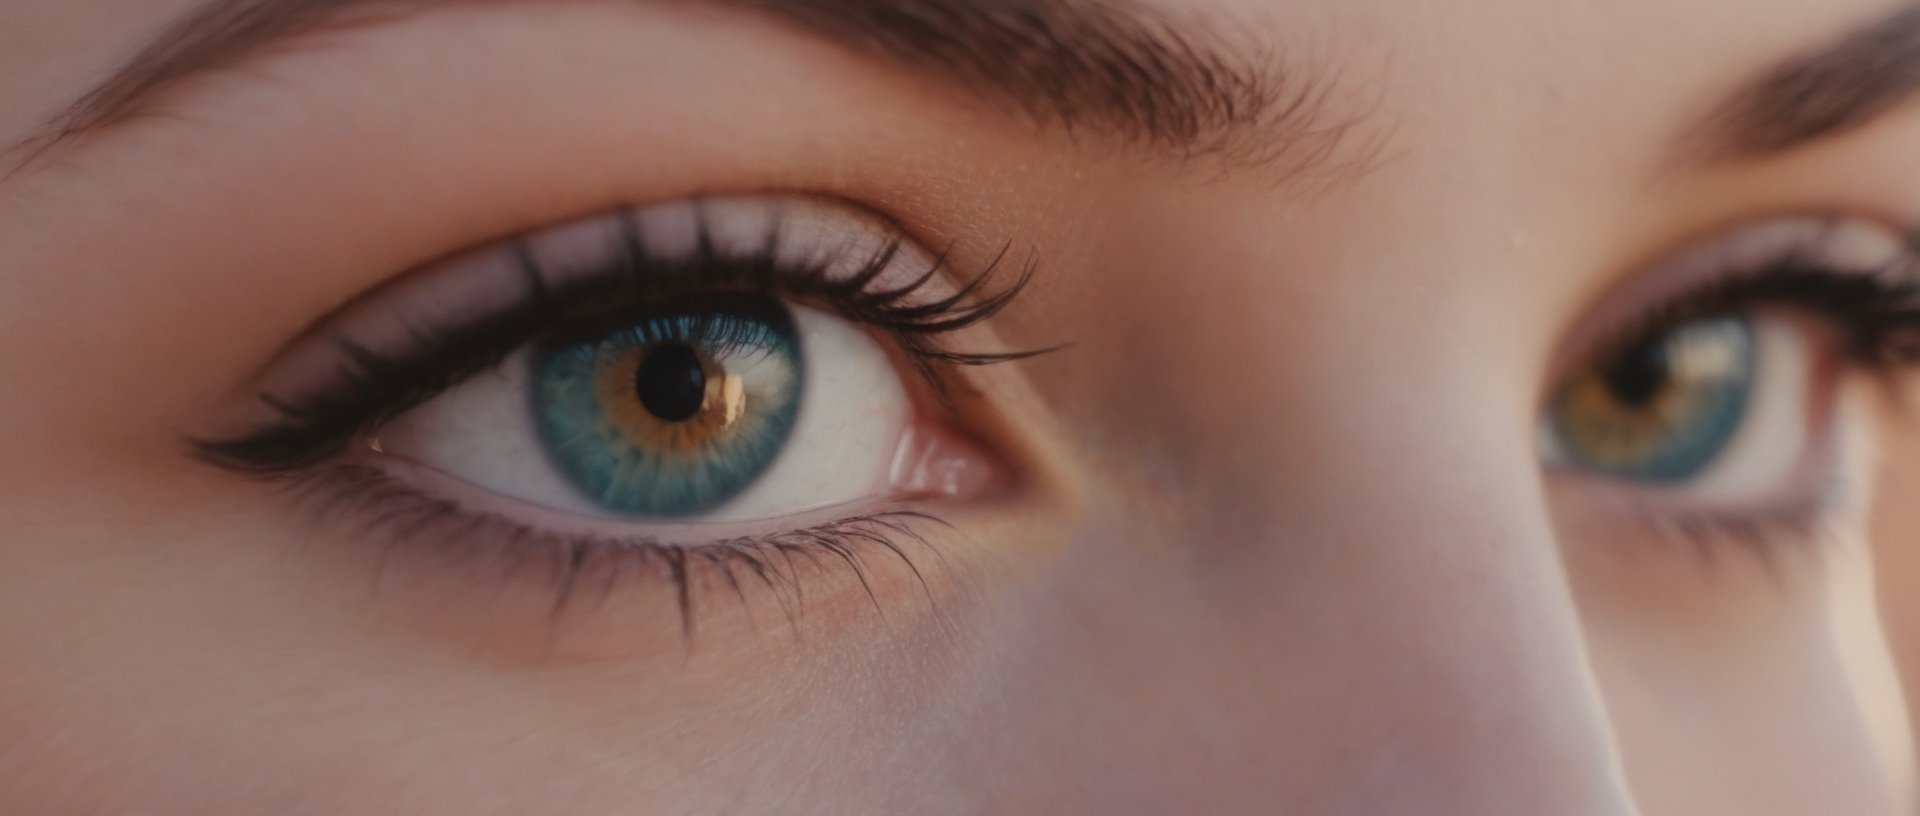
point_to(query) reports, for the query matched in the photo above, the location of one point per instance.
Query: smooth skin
(1275, 539)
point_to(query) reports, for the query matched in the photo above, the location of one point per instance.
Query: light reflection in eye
(1662, 410)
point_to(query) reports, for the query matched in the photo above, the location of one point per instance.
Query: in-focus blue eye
(677, 414)
(1663, 410)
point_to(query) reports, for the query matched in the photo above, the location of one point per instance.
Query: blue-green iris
(676, 414)
(1664, 410)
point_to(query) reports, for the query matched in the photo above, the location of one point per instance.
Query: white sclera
(1778, 447)
(853, 413)
(1765, 455)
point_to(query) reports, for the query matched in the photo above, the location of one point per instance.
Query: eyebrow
(1081, 65)
(1822, 93)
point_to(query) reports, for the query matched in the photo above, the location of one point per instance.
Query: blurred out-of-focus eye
(1724, 392)
(1663, 409)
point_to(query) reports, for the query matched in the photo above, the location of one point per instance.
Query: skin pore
(1267, 530)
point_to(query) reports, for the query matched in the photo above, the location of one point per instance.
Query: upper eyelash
(1878, 310)
(1878, 313)
(370, 388)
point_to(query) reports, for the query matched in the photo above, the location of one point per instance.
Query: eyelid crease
(369, 385)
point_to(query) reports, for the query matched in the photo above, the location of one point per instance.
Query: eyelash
(372, 388)
(1877, 310)
(312, 431)
(443, 529)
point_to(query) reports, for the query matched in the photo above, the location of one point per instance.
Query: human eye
(713, 382)
(1721, 409)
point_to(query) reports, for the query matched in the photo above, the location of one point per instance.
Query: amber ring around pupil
(675, 414)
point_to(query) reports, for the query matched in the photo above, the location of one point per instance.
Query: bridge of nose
(1382, 655)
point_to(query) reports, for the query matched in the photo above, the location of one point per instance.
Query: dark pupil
(671, 383)
(1640, 374)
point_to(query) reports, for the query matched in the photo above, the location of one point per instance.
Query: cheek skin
(1893, 526)
(1727, 644)
(1727, 635)
(336, 693)
(1861, 642)
(1144, 648)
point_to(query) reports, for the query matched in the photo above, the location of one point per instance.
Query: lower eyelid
(1825, 493)
(490, 573)
(400, 473)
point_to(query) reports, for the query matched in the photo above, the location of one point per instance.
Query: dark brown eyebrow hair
(1083, 65)
(1824, 92)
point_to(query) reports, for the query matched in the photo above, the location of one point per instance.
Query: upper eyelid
(1707, 259)
(315, 415)
(380, 314)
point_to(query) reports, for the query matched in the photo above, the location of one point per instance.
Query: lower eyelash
(1767, 536)
(1812, 523)
(385, 509)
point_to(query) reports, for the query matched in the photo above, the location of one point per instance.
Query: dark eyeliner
(1877, 310)
(369, 387)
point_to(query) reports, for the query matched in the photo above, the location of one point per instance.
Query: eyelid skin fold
(439, 327)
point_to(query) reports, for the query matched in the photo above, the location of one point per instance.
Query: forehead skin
(1387, 334)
